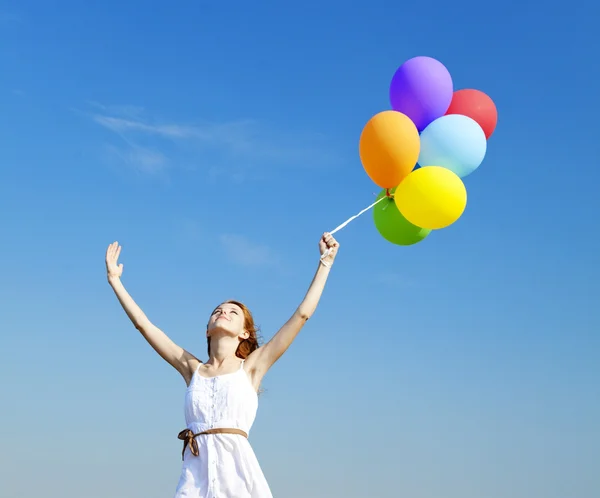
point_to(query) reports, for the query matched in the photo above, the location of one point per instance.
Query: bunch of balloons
(419, 151)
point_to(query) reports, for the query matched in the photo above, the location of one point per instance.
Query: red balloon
(476, 105)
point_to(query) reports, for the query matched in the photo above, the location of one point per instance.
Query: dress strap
(242, 365)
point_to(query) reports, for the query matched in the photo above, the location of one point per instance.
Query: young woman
(221, 398)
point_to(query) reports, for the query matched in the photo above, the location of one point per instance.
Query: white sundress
(226, 466)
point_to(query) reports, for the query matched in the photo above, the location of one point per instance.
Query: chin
(221, 328)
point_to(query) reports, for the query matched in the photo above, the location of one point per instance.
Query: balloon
(478, 106)
(394, 227)
(389, 148)
(422, 89)
(455, 142)
(431, 197)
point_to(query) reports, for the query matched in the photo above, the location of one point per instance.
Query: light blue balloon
(455, 142)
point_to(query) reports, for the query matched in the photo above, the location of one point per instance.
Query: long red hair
(250, 344)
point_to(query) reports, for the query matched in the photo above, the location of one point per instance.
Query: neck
(222, 350)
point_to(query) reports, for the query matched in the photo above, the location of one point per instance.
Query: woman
(221, 398)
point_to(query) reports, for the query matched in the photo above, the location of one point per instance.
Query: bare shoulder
(252, 361)
(188, 367)
(253, 369)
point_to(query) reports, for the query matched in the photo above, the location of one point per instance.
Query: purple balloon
(422, 89)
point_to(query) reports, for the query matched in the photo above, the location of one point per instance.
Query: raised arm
(260, 360)
(176, 356)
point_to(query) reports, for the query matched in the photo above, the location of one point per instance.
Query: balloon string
(339, 227)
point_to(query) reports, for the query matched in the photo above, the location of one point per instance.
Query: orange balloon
(389, 148)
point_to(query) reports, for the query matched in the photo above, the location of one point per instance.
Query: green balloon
(394, 227)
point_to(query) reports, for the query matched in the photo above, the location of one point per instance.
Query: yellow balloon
(389, 148)
(431, 197)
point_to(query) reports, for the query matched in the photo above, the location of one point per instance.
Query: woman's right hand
(113, 269)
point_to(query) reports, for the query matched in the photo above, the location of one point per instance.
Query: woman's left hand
(328, 247)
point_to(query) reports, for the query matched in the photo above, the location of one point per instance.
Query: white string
(339, 227)
(355, 216)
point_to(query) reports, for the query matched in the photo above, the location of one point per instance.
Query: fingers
(113, 251)
(329, 240)
(110, 252)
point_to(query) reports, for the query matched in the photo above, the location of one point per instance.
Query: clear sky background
(216, 141)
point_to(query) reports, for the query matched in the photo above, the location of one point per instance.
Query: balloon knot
(387, 193)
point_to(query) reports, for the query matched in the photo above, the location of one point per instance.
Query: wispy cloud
(142, 158)
(227, 134)
(231, 147)
(132, 111)
(244, 252)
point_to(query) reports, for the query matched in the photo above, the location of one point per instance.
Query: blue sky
(216, 142)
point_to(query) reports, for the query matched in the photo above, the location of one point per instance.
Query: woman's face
(227, 318)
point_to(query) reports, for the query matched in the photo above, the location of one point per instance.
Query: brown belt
(189, 438)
